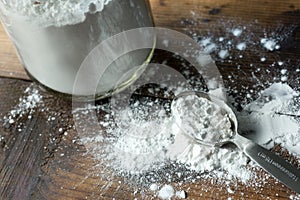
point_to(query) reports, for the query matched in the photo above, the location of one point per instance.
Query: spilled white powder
(144, 145)
(221, 39)
(26, 105)
(54, 12)
(141, 145)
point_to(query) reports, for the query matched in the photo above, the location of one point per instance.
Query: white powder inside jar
(55, 12)
(63, 34)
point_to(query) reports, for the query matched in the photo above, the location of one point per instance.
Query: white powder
(204, 42)
(269, 44)
(166, 192)
(283, 71)
(140, 146)
(61, 35)
(223, 54)
(26, 105)
(210, 48)
(202, 119)
(55, 12)
(221, 39)
(263, 59)
(271, 120)
(284, 78)
(241, 46)
(237, 32)
(180, 194)
(153, 187)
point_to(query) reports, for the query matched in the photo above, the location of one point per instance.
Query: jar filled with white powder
(54, 37)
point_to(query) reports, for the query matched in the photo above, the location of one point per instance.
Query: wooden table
(31, 161)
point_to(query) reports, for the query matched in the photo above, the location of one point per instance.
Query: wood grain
(38, 161)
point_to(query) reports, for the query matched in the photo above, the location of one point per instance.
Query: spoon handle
(278, 167)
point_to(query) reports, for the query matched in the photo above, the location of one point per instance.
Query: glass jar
(53, 38)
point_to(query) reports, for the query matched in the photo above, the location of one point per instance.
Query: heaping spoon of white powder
(202, 119)
(210, 116)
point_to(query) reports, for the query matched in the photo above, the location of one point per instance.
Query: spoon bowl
(276, 166)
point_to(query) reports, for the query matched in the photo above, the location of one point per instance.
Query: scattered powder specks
(26, 105)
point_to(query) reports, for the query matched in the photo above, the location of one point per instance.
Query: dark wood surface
(37, 161)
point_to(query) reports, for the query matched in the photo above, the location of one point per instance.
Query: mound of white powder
(54, 12)
(274, 118)
(201, 119)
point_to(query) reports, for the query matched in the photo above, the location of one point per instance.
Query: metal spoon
(278, 167)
